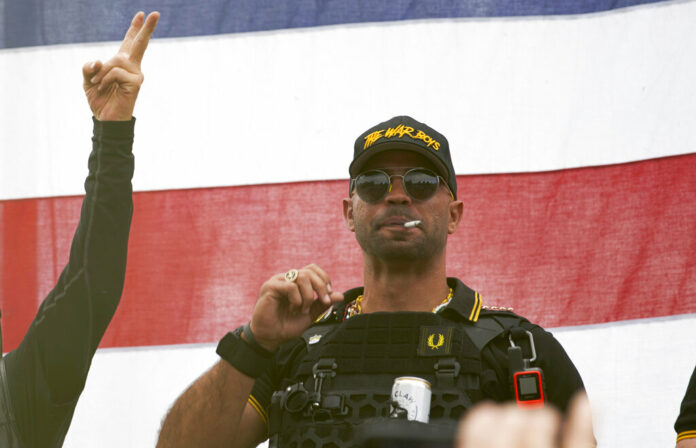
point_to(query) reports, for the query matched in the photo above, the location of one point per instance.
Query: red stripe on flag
(19, 262)
(569, 247)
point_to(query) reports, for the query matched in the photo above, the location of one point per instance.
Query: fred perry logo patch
(436, 345)
(435, 341)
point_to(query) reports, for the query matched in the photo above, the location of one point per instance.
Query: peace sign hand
(112, 87)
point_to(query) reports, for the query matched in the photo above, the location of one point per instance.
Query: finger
(478, 426)
(135, 26)
(306, 281)
(120, 60)
(139, 46)
(539, 427)
(120, 76)
(577, 431)
(90, 69)
(336, 297)
(513, 422)
(320, 283)
(319, 308)
(322, 274)
(290, 291)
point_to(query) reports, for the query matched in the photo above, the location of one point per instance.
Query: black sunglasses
(419, 183)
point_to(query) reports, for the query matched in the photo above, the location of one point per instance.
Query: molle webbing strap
(389, 343)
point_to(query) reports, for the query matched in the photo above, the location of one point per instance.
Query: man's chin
(400, 250)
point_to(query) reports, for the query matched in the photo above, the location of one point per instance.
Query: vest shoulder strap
(492, 324)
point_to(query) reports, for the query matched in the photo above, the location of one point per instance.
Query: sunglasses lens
(372, 185)
(421, 184)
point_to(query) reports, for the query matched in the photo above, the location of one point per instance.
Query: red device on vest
(527, 382)
(529, 388)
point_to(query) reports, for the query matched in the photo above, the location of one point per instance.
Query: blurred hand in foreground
(508, 426)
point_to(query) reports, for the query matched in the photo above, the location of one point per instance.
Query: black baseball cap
(405, 134)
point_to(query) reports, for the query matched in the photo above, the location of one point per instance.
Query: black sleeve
(272, 381)
(261, 393)
(562, 379)
(48, 370)
(686, 422)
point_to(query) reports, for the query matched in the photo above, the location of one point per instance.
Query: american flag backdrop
(572, 126)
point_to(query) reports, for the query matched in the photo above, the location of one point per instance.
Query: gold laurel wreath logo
(436, 345)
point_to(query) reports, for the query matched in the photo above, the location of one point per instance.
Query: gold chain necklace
(355, 307)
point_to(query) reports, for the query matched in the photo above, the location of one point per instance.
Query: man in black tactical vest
(42, 379)
(315, 367)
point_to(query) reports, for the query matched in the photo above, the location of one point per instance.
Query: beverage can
(411, 395)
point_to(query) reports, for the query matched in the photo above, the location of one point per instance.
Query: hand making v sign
(112, 87)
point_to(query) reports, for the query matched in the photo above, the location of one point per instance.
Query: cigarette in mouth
(410, 224)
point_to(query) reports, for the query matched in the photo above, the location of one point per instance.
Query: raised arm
(47, 372)
(215, 411)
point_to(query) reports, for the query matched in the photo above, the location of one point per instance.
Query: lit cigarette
(410, 224)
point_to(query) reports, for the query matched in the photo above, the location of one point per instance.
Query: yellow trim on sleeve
(686, 435)
(476, 309)
(256, 405)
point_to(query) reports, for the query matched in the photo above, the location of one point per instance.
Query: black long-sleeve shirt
(686, 422)
(46, 373)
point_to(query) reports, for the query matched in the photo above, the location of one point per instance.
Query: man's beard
(424, 246)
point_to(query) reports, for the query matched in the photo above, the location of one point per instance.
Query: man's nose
(397, 194)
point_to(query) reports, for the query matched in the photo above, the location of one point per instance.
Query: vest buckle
(446, 371)
(324, 368)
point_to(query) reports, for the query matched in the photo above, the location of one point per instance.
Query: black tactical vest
(341, 382)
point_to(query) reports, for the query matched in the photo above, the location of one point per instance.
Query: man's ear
(348, 213)
(456, 209)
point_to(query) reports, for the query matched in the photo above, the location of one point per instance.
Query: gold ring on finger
(291, 275)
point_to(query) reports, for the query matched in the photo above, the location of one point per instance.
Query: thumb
(577, 430)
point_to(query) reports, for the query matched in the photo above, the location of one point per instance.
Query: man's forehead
(398, 158)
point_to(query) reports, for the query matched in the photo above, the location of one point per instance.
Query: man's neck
(404, 286)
